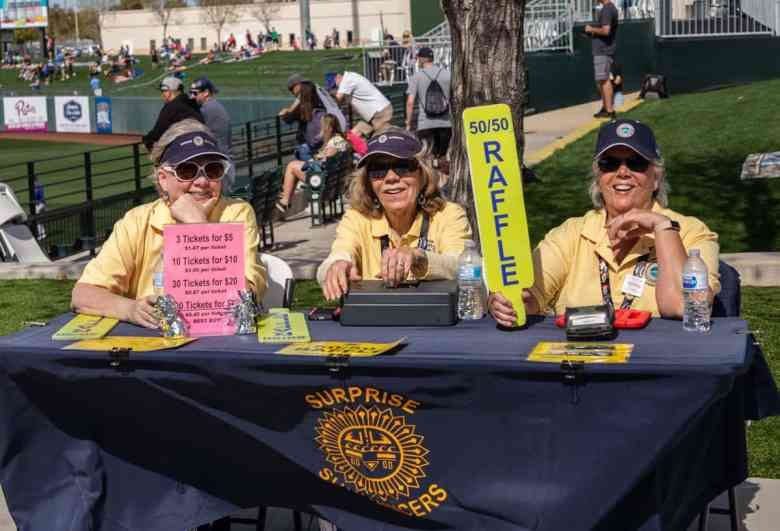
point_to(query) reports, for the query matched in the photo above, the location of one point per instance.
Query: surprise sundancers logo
(371, 448)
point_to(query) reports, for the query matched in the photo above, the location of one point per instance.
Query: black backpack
(436, 103)
(654, 85)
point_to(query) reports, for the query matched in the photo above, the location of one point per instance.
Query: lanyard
(606, 292)
(422, 243)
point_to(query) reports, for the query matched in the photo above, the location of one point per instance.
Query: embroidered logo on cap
(382, 139)
(625, 131)
(198, 141)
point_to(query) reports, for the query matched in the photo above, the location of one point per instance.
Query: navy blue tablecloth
(452, 431)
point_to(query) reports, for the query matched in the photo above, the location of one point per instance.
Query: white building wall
(138, 27)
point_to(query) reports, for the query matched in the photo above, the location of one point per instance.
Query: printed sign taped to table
(136, 344)
(85, 327)
(283, 327)
(552, 352)
(339, 348)
(496, 181)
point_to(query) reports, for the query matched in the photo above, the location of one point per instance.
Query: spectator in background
(276, 38)
(434, 129)
(231, 42)
(216, 119)
(307, 110)
(336, 38)
(177, 107)
(333, 143)
(155, 57)
(604, 44)
(367, 101)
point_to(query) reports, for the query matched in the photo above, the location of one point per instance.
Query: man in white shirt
(367, 101)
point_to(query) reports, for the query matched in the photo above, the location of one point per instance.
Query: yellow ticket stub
(339, 348)
(552, 352)
(136, 344)
(283, 327)
(85, 327)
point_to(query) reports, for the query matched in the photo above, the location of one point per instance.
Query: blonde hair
(430, 200)
(661, 194)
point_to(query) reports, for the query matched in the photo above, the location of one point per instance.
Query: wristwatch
(673, 225)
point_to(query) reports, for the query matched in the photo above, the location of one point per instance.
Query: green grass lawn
(263, 76)
(704, 139)
(40, 300)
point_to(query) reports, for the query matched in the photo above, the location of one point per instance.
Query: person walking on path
(367, 101)
(434, 122)
(216, 118)
(604, 45)
(177, 107)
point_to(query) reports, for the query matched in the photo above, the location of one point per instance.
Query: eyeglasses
(634, 163)
(189, 171)
(402, 168)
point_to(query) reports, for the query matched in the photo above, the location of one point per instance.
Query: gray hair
(661, 194)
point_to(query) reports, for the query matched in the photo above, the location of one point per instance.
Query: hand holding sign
(497, 184)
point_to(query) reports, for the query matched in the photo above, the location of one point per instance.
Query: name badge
(634, 285)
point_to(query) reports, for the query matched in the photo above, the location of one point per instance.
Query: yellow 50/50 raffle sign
(497, 184)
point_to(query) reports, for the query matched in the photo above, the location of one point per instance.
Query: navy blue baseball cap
(396, 143)
(201, 84)
(632, 134)
(190, 145)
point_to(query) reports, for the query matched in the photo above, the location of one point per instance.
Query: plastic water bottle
(471, 300)
(696, 313)
(158, 277)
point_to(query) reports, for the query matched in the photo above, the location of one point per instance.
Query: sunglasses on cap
(402, 168)
(189, 171)
(634, 163)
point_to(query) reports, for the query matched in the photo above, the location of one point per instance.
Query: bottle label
(694, 281)
(470, 272)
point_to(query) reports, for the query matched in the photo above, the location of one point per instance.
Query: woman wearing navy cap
(188, 171)
(399, 227)
(630, 250)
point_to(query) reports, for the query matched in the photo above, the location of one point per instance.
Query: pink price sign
(204, 271)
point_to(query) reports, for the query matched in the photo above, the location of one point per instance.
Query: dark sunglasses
(214, 170)
(402, 168)
(634, 163)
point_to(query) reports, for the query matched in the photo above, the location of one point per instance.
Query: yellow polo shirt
(358, 240)
(126, 262)
(566, 265)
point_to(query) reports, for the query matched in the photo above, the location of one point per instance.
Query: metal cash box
(427, 303)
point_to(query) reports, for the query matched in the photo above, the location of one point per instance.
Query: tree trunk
(488, 66)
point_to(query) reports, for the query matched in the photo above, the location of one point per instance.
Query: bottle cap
(694, 252)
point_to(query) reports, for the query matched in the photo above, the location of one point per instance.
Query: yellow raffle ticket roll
(496, 181)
